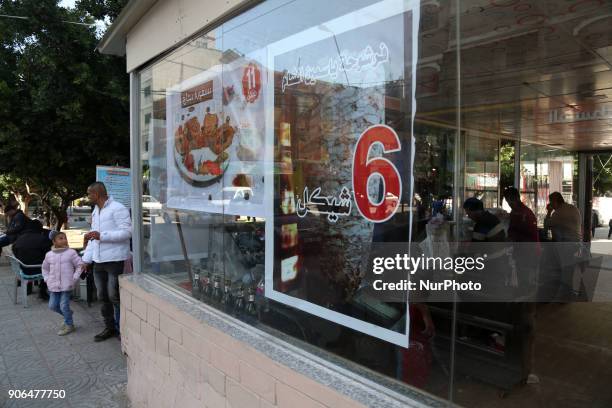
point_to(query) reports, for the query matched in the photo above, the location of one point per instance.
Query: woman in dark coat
(31, 247)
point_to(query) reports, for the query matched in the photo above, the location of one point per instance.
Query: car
(234, 195)
(189, 218)
(150, 205)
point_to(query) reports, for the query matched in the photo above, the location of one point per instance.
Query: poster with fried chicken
(215, 131)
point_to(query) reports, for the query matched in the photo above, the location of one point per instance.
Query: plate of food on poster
(201, 147)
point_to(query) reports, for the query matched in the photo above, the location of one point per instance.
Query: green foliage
(602, 175)
(63, 106)
(100, 9)
(506, 163)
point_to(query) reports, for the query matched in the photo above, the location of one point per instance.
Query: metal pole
(458, 205)
(136, 171)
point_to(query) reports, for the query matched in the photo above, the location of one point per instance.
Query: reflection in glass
(203, 161)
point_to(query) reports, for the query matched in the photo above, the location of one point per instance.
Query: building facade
(279, 146)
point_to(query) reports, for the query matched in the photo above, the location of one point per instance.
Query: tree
(15, 190)
(506, 164)
(102, 9)
(602, 175)
(65, 107)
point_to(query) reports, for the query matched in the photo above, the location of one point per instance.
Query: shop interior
(535, 91)
(524, 101)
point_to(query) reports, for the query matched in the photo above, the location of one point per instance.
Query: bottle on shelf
(250, 308)
(217, 293)
(239, 303)
(264, 306)
(208, 286)
(228, 298)
(196, 285)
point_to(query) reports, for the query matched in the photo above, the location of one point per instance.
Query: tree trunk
(24, 201)
(47, 211)
(61, 214)
(23, 196)
(60, 218)
(48, 218)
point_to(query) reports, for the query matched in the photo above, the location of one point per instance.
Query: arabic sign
(336, 175)
(117, 182)
(197, 94)
(331, 206)
(363, 60)
(579, 115)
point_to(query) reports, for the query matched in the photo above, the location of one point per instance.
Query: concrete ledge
(231, 348)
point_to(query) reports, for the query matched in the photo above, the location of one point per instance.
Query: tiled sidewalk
(33, 356)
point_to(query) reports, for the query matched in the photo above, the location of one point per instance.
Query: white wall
(169, 22)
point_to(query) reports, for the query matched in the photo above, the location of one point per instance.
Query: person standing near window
(523, 229)
(564, 221)
(487, 227)
(108, 249)
(594, 223)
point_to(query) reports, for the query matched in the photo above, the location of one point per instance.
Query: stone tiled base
(176, 361)
(180, 354)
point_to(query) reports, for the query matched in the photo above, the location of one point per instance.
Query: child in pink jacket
(61, 269)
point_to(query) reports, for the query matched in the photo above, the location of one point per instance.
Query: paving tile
(67, 363)
(111, 372)
(25, 345)
(26, 380)
(36, 403)
(33, 356)
(46, 329)
(78, 383)
(16, 331)
(7, 315)
(24, 362)
(91, 352)
(116, 398)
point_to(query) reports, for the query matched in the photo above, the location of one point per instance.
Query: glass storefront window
(310, 88)
(434, 171)
(545, 170)
(520, 82)
(482, 170)
(282, 148)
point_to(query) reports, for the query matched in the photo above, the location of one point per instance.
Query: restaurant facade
(280, 148)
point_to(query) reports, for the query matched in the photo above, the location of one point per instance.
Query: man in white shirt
(565, 222)
(108, 247)
(563, 219)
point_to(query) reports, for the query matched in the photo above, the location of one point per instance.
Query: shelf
(481, 322)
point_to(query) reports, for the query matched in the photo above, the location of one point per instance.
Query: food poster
(215, 135)
(330, 89)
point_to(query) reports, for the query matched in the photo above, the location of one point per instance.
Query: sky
(67, 3)
(100, 25)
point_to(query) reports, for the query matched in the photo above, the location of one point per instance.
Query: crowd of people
(562, 229)
(544, 273)
(106, 251)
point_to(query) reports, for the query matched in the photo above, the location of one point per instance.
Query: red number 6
(364, 169)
